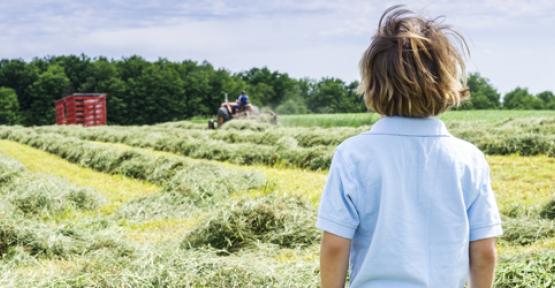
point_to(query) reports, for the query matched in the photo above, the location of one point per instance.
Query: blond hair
(411, 68)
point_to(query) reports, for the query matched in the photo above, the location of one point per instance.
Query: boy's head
(411, 68)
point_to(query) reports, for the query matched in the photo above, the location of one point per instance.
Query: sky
(512, 42)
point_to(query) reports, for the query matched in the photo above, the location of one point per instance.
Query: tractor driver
(242, 103)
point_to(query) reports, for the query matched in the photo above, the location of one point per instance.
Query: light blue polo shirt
(411, 197)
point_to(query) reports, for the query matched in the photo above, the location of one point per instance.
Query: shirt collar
(405, 126)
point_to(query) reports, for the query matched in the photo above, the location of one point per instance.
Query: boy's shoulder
(353, 142)
(367, 142)
(464, 148)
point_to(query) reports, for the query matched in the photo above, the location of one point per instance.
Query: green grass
(363, 119)
(328, 120)
(495, 116)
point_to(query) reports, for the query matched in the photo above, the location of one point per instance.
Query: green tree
(18, 75)
(157, 94)
(9, 106)
(355, 99)
(197, 94)
(332, 95)
(129, 70)
(268, 88)
(262, 93)
(548, 99)
(221, 82)
(77, 68)
(482, 94)
(292, 106)
(520, 98)
(49, 87)
(104, 78)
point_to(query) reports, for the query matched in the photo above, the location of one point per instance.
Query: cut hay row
(100, 259)
(116, 189)
(194, 180)
(29, 200)
(265, 242)
(525, 137)
(525, 231)
(305, 147)
(285, 154)
(303, 137)
(521, 136)
(40, 196)
(286, 222)
(170, 266)
(529, 270)
(106, 262)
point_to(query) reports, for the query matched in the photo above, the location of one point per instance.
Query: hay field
(175, 205)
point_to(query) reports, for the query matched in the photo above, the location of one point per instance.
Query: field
(176, 205)
(362, 119)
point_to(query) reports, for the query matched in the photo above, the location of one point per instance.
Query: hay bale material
(287, 222)
(525, 231)
(548, 210)
(527, 270)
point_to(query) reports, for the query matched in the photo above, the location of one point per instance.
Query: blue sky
(511, 42)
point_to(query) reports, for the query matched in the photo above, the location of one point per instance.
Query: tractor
(236, 110)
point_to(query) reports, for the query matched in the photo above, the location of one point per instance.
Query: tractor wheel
(211, 124)
(223, 116)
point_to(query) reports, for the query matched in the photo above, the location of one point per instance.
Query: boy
(410, 204)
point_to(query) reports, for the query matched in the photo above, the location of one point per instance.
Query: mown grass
(156, 262)
(117, 189)
(523, 185)
(34, 236)
(252, 143)
(328, 120)
(362, 119)
(283, 181)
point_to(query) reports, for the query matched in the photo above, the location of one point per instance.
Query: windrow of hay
(18, 235)
(246, 142)
(42, 195)
(190, 178)
(169, 266)
(527, 270)
(287, 222)
(27, 199)
(284, 151)
(524, 231)
(247, 125)
(186, 184)
(205, 184)
(9, 169)
(190, 189)
(548, 211)
(30, 237)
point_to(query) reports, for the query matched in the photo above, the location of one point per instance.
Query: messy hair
(411, 68)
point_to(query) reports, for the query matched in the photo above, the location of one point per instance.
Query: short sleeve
(337, 213)
(483, 214)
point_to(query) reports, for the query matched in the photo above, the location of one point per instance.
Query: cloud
(312, 38)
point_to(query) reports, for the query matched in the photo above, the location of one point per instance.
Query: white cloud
(312, 38)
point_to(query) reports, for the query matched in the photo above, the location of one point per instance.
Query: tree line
(145, 92)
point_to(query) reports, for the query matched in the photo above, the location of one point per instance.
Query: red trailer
(87, 109)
